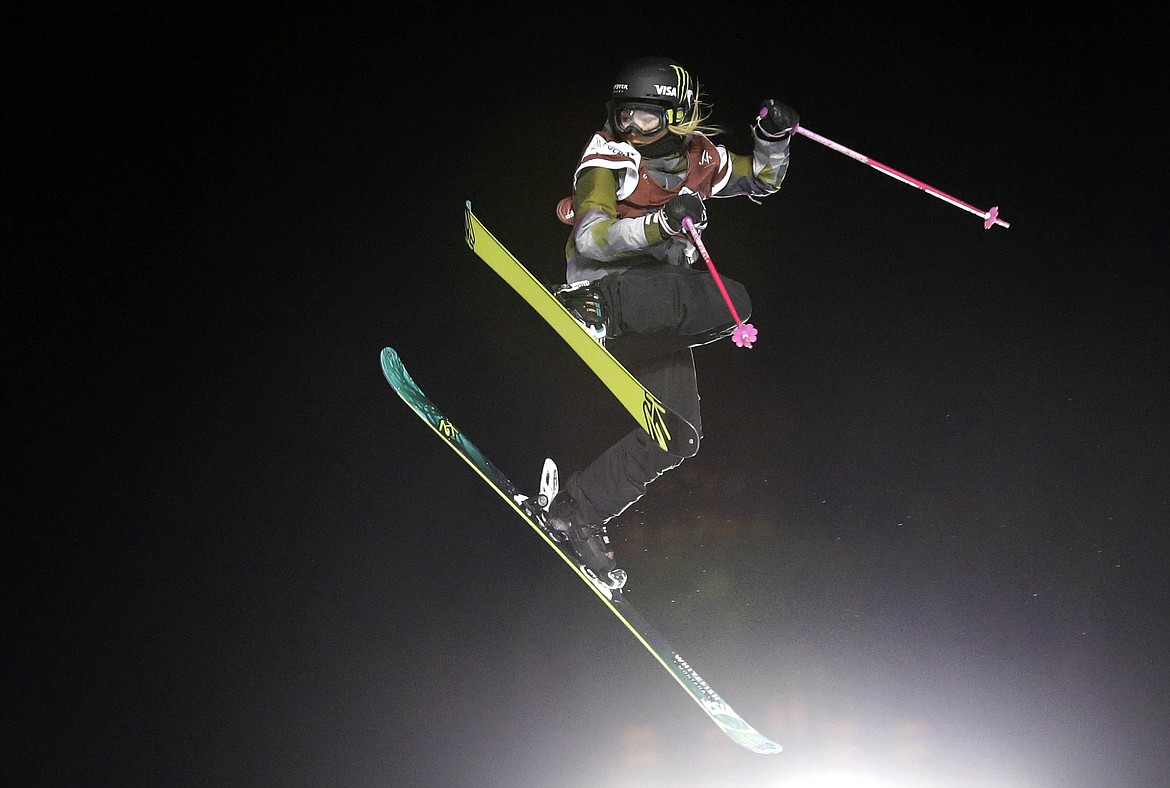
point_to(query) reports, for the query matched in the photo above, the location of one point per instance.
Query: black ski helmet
(655, 80)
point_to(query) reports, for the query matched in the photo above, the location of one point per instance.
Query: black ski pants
(657, 314)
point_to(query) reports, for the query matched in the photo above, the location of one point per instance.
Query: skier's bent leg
(619, 476)
(672, 300)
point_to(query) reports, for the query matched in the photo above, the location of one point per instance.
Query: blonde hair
(697, 122)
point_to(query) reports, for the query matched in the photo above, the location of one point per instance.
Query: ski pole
(990, 217)
(744, 334)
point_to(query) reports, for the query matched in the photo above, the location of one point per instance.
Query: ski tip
(390, 363)
(746, 736)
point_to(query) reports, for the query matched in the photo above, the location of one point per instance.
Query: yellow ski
(672, 432)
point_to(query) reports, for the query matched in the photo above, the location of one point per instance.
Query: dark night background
(924, 543)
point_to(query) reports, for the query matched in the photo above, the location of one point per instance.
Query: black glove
(776, 121)
(680, 207)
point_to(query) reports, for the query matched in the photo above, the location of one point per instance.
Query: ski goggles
(639, 118)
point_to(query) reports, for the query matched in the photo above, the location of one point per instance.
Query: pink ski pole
(744, 334)
(990, 217)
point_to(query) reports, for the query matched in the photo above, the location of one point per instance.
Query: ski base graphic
(672, 432)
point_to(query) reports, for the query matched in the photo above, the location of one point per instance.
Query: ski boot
(589, 542)
(587, 306)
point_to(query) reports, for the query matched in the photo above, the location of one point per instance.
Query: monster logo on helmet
(656, 81)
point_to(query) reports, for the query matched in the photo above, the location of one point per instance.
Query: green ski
(613, 598)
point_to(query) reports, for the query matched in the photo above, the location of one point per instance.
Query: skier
(630, 274)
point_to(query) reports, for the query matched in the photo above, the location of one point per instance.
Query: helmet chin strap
(667, 146)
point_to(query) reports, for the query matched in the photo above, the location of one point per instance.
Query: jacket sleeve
(759, 174)
(599, 234)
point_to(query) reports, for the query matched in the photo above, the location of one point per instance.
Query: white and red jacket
(617, 193)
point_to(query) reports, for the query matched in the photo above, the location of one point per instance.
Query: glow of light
(838, 780)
